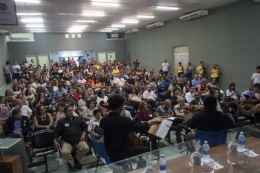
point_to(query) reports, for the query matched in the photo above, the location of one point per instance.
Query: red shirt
(144, 116)
(90, 81)
(76, 97)
(120, 67)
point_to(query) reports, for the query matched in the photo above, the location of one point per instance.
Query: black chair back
(42, 139)
(130, 109)
(128, 89)
(162, 96)
(160, 90)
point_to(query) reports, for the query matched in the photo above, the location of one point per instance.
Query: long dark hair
(232, 85)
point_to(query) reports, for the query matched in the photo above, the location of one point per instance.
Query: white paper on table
(164, 128)
(243, 150)
(253, 154)
(209, 163)
(171, 118)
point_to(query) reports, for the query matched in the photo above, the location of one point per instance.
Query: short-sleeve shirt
(147, 95)
(131, 81)
(200, 69)
(25, 110)
(182, 79)
(180, 69)
(165, 66)
(93, 123)
(256, 78)
(164, 112)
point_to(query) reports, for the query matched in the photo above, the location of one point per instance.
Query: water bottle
(162, 163)
(205, 151)
(241, 142)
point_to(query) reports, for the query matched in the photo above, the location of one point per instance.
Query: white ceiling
(56, 21)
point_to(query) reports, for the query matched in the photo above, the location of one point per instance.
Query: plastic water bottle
(241, 142)
(205, 151)
(162, 163)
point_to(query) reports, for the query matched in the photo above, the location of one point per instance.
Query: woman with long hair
(28, 96)
(232, 92)
(4, 103)
(23, 100)
(55, 86)
(186, 88)
(101, 98)
(87, 113)
(16, 91)
(42, 120)
(78, 95)
(203, 88)
(9, 96)
(220, 100)
(135, 98)
(42, 100)
(213, 84)
(96, 85)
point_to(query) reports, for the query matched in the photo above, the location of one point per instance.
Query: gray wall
(53, 42)
(229, 37)
(3, 57)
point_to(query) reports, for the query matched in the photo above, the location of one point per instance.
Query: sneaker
(77, 164)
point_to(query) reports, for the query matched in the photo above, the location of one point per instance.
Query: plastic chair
(214, 138)
(100, 151)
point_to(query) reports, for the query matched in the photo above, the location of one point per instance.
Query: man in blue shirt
(76, 79)
(196, 82)
(130, 80)
(58, 93)
(248, 93)
(46, 92)
(17, 125)
(169, 79)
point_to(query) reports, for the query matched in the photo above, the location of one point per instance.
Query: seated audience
(213, 84)
(28, 97)
(9, 97)
(4, 115)
(24, 109)
(196, 81)
(119, 81)
(197, 99)
(73, 90)
(186, 88)
(73, 133)
(169, 78)
(78, 95)
(42, 120)
(118, 92)
(68, 101)
(190, 95)
(56, 85)
(175, 95)
(116, 131)
(94, 122)
(82, 81)
(179, 108)
(149, 83)
(181, 80)
(101, 97)
(76, 78)
(96, 85)
(220, 100)
(130, 80)
(135, 98)
(46, 92)
(149, 94)
(60, 114)
(232, 92)
(87, 113)
(58, 93)
(42, 100)
(210, 119)
(162, 83)
(174, 85)
(249, 93)
(17, 125)
(203, 88)
(4, 103)
(83, 102)
(16, 91)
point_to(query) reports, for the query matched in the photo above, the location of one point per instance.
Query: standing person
(165, 66)
(73, 133)
(7, 72)
(189, 71)
(32, 63)
(180, 69)
(16, 70)
(136, 63)
(201, 70)
(116, 131)
(256, 76)
(215, 72)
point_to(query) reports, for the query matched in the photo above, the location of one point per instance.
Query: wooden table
(11, 163)
(247, 164)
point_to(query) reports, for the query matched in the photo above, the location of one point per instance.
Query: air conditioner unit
(155, 25)
(132, 31)
(194, 15)
(4, 32)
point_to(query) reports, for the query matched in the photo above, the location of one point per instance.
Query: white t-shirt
(25, 110)
(34, 86)
(99, 99)
(39, 85)
(32, 64)
(256, 78)
(31, 89)
(165, 66)
(228, 93)
(55, 88)
(82, 103)
(120, 81)
(16, 67)
(81, 81)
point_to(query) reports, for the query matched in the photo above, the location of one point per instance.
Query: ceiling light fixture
(29, 20)
(29, 1)
(37, 29)
(106, 4)
(74, 31)
(86, 21)
(93, 14)
(130, 21)
(111, 29)
(29, 14)
(145, 16)
(79, 26)
(105, 31)
(37, 26)
(166, 8)
(118, 26)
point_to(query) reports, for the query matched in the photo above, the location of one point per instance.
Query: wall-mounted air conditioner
(132, 31)
(194, 15)
(155, 25)
(4, 32)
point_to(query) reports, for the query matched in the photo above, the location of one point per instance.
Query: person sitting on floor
(73, 133)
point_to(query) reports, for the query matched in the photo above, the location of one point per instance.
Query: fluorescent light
(37, 26)
(29, 14)
(167, 8)
(37, 29)
(79, 26)
(74, 31)
(118, 26)
(107, 4)
(145, 16)
(30, 1)
(130, 21)
(105, 31)
(93, 14)
(86, 21)
(111, 29)
(36, 20)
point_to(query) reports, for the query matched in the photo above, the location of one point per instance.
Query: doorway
(102, 57)
(111, 56)
(44, 59)
(180, 54)
(30, 57)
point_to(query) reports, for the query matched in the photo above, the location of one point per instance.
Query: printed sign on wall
(8, 12)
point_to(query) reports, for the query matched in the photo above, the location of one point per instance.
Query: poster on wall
(8, 12)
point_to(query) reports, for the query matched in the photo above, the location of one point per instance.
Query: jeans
(165, 73)
(8, 78)
(17, 75)
(201, 77)
(188, 76)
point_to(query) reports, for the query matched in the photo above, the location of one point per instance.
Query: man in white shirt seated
(81, 81)
(197, 100)
(33, 84)
(256, 76)
(28, 86)
(190, 95)
(16, 70)
(25, 110)
(120, 81)
(149, 94)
